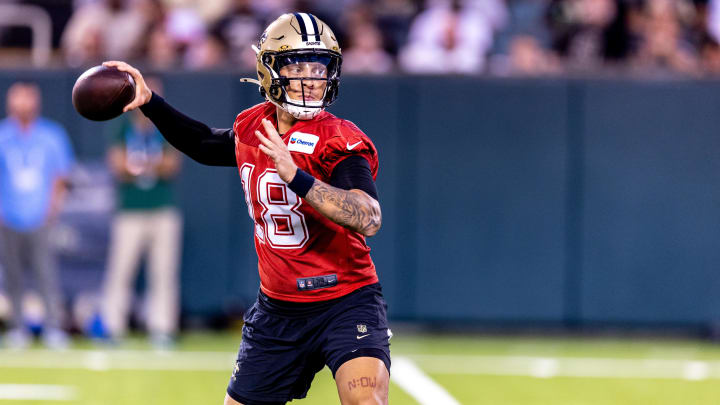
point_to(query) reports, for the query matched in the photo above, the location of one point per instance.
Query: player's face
(312, 87)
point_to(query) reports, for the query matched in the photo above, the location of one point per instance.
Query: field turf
(470, 369)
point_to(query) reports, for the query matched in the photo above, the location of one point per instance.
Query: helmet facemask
(304, 72)
(300, 40)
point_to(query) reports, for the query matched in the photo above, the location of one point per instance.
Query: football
(100, 93)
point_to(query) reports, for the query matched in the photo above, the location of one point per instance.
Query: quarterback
(309, 183)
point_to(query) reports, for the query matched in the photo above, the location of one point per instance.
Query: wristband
(301, 183)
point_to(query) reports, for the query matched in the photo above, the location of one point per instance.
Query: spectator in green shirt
(146, 221)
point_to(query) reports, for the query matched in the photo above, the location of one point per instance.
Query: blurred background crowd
(495, 37)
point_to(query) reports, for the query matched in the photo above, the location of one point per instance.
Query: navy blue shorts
(284, 344)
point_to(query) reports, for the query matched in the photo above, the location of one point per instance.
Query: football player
(308, 178)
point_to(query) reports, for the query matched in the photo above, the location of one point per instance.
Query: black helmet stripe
(315, 27)
(308, 26)
(303, 29)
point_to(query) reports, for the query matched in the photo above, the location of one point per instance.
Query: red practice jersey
(302, 256)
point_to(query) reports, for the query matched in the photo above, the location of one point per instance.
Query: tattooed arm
(354, 209)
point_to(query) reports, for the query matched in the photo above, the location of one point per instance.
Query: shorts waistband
(292, 308)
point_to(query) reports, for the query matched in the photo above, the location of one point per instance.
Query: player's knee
(230, 401)
(376, 396)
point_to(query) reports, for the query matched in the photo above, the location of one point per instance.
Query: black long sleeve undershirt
(354, 172)
(216, 147)
(205, 145)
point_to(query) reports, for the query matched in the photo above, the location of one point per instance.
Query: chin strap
(307, 112)
(302, 113)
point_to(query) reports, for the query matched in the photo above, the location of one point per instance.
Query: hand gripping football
(101, 93)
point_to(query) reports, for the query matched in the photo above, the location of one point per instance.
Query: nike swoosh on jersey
(362, 336)
(351, 147)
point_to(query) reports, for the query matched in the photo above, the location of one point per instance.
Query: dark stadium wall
(504, 201)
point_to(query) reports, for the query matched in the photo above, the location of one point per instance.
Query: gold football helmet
(296, 39)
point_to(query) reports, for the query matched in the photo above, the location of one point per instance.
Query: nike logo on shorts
(351, 147)
(362, 336)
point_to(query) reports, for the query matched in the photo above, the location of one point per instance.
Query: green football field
(426, 370)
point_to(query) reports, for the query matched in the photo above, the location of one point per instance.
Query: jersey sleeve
(347, 140)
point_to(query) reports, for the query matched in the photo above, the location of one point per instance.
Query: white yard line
(36, 392)
(584, 367)
(416, 383)
(104, 360)
(696, 370)
(531, 366)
